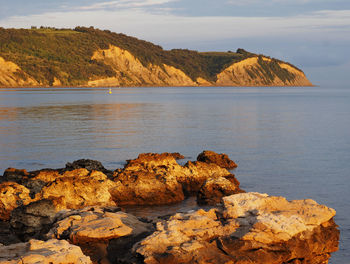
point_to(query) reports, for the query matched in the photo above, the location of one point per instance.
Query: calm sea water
(293, 142)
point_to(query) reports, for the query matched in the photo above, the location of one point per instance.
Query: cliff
(92, 57)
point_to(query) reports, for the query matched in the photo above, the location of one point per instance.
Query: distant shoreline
(153, 86)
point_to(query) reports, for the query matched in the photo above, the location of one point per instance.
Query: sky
(314, 35)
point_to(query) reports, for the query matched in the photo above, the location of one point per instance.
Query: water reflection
(45, 131)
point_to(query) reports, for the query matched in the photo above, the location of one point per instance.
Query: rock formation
(34, 219)
(159, 179)
(214, 189)
(49, 252)
(78, 189)
(130, 71)
(104, 234)
(12, 75)
(12, 195)
(79, 204)
(221, 160)
(90, 165)
(150, 179)
(250, 228)
(254, 72)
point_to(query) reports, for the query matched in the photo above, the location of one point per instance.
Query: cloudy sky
(312, 34)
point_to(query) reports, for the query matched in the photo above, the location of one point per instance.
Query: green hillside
(46, 53)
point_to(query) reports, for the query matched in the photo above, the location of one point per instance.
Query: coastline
(149, 86)
(82, 209)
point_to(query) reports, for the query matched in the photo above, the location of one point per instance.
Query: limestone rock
(90, 165)
(219, 159)
(50, 175)
(249, 228)
(158, 179)
(146, 180)
(105, 234)
(146, 187)
(214, 189)
(14, 175)
(79, 189)
(151, 179)
(46, 252)
(153, 160)
(24, 178)
(12, 195)
(7, 236)
(194, 175)
(34, 219)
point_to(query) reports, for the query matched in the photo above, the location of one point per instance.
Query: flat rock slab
(249, 228)
(45, 252)
(102, 233)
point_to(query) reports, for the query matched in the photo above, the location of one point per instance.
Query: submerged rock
(45, 252)
(221, 160)
(249, 228)
(104, 234)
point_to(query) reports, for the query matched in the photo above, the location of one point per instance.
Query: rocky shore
(77, 215)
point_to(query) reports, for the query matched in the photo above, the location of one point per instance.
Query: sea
(287, 141)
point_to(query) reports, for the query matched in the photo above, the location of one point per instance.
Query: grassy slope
(66, 54)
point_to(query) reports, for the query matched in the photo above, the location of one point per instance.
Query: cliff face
(261, 71)
(255, 71)
(129, 71)
(92, 57)
(12, 75)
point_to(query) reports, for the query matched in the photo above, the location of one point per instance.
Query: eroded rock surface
(150, 179)
(250, 228)
(219, 159)
(79, 190)
(7, 236)
(194, 174)
(90, 165)
(159, 179)
(45, 252)
(105, 234)
(12, 195)
(214, 189)
(34, 219)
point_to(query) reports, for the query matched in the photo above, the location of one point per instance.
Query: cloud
(300, 39)
(168, 27)
(127, 4)
(270, 2)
